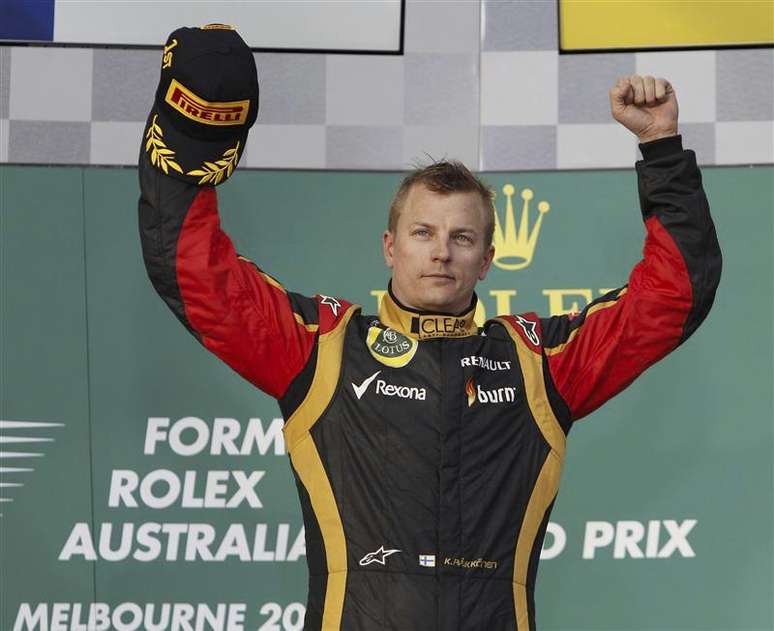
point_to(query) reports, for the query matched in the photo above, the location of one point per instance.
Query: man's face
(437, 252)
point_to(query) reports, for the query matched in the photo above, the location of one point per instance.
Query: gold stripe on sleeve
(272, 281)
(309, 327)
(598, 307)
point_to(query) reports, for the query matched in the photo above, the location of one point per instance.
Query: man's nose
(441, 250)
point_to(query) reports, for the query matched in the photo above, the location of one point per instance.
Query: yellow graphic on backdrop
(514, 247)
(643, 24)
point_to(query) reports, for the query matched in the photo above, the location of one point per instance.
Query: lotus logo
(390, 347)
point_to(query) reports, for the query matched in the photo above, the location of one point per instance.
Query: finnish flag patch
(427, 560)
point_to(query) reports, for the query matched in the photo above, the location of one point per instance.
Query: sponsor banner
(163, 498)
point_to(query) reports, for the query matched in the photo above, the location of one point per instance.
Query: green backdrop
(87, 344)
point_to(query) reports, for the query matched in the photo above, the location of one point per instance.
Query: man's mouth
(439, 275)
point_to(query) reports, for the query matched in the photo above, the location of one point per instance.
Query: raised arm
(596, 354)
(205, 103)
(235, 310)
(599, 352)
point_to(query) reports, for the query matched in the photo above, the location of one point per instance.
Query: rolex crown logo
(514, 248)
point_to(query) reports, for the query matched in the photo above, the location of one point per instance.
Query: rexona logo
(389, 390)
(506, 394)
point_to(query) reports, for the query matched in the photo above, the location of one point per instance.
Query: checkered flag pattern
(480, 81)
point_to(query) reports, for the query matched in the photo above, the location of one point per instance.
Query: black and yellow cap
(206, 102)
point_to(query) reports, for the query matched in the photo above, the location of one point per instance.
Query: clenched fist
(645, 106)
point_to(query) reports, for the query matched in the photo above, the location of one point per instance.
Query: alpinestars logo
(389, 390)
(529, 329)
(506, 394)
(331, 302)
(377, 557)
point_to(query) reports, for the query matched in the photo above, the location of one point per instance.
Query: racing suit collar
(426, 325)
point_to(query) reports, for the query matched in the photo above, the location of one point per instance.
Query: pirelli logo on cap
(206, 112)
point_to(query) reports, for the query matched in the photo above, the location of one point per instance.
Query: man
(427, 453)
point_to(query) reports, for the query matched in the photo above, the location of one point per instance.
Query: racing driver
(427, 452)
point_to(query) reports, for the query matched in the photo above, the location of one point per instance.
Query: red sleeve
(244, 316)
(596, 354)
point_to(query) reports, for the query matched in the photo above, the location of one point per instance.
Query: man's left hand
(645, 106)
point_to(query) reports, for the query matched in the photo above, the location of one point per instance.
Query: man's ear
(486, 263)
(388, 241)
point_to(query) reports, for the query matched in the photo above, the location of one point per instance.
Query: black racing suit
(427, 453)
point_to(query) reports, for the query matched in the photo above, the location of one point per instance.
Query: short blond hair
(444, 177)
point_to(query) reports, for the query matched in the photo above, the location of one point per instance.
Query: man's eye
(464, 237)
(421, 232)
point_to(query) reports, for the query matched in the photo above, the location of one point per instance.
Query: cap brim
(189, 159)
